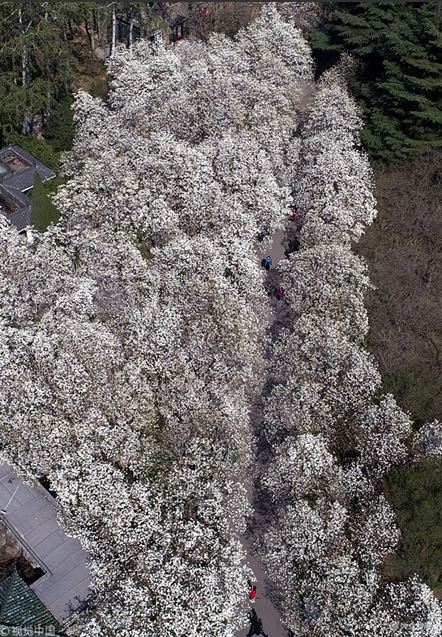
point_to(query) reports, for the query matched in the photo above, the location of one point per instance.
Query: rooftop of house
(17, 172)
(20, 606)
(17, 168)
(15, 206)
(29, 512)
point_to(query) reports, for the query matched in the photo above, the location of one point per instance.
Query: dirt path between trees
(264, 607)
(281, 242)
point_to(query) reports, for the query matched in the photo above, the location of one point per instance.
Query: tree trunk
(90, 35)
(63, 30)
(131, 31)
(100, 28)
(24, 74)
(48, 100)
(114, 32)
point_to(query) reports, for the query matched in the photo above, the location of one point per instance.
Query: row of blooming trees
(132, 339)
(131, 331)
(334, 436)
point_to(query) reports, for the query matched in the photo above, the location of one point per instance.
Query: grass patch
(417, 393)
(44, 213)
(415, 493)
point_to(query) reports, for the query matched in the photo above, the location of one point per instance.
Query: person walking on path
(280, 293)
(252, 592)
(267, 263)
(256, 625)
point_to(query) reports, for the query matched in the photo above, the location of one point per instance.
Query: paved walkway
(264, 607)
(29, 512)
(282, 241)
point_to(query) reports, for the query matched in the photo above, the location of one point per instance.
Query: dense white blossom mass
(133, 339)
(334, 437)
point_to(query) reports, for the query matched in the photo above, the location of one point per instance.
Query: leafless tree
(404, 252)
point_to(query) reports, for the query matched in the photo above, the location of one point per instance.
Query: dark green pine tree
(44, 213)
(400, 80)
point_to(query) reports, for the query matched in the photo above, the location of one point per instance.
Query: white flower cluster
(334, 437)
(131, 337)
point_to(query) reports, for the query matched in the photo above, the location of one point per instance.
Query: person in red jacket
(252, 594)
(294, 214)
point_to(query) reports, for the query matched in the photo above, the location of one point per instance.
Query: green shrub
(43, 210)
(415, 493)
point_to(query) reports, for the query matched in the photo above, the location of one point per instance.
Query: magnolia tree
(137, 340)
(428, 440)
(334, 183)
(331, 380)
(312, 278)
(333, 437)
(251, 84)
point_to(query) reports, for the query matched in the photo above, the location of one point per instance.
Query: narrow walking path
(283, 242)
(264, 607)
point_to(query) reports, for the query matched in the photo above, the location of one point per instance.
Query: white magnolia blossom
(303, 468)
(428, 440)
(133, 343)
(407, 609)
(381, 435)
(334, 183)
(335, 378)
(312, 278)
(334, 438)
(373, 531)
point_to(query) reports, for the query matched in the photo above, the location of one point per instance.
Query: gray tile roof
(23, 179)
(31, 515)
(17, 180)
(20, 606)
(21, 217)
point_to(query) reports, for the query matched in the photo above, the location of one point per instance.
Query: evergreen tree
(43, 210)
(399, 81)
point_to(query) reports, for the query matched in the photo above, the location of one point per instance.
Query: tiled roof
(18, 179)
(24, 179)
(21, 217)
(31, 516)
(20, 606)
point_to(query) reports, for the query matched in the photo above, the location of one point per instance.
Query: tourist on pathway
(267, 263)
(293, 215)
(252, 594)
(280, 293)
(255, 625)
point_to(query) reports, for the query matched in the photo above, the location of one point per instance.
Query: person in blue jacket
(267, 263)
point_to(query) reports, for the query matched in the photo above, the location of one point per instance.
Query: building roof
(22, 167)
(20, 606)
(17, 172)
(31, 516)
(15, 206)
